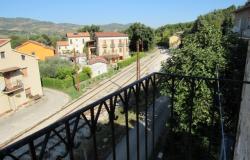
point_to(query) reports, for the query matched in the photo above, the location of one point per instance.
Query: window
(104, 51)
(23, 57)
(82, 41)
(120, 50)
(70, 41)
(33, 53)
(112, 41)
(2, 55)
(113, 50)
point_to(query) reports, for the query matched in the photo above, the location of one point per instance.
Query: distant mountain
(115, 27)
(21, 26)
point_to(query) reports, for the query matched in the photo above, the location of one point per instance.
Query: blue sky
(151, 12)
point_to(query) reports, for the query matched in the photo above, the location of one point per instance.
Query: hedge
(128, 61)
(57, 83)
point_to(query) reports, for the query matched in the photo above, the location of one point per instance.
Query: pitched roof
(243, 8)
(80, 34)
(62, 43)
(4, 41)
(110, 34)
(36, 43)
(97, 60)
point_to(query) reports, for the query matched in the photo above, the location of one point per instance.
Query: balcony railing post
(93, 132)
(111, 119)
(153, 116)
(69, 141)
(126, 119)
(146, 119)
(137, 91)
(32, 151)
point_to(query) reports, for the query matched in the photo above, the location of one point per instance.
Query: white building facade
(75, 41)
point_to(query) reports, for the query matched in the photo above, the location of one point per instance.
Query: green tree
(163, 33)
(17, 41)
(63, 72)
(91, 29)
(87, 70)
(56, 68)
(200, 54)
(138, 31)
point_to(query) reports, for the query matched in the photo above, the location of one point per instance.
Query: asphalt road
(24, 118)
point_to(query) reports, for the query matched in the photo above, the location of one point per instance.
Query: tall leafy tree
(210, 43)
(91, 29)
(138, 31)
(200, 54)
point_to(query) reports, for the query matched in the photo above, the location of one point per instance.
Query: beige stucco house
(75, 41)
(242, 20)
(112, 45)
(19, 78)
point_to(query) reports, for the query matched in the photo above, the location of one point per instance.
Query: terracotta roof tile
(110, 34)
(35, 42)
(80, 34)
(4, 41)
(62, 43)
(97, 60)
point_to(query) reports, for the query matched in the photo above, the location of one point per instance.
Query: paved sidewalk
(27, 117)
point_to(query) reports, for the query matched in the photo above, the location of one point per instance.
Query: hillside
(27, 26)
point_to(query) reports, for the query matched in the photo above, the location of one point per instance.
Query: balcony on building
(140, 122)
(104, 45)
(120, 44)
(12, 77)
(112, 45)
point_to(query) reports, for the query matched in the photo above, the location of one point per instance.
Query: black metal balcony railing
(120, 124)
(12, 87)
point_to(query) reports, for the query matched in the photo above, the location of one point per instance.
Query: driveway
(25, 118)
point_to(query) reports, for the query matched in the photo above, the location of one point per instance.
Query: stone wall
(242, 146)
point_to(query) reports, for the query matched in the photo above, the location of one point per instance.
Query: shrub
(83, 76)
(87, 70)
(63, 72)
(57, 83)
(52, 66)
(128, 61)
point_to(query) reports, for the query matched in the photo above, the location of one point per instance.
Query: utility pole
(138, 60)
(76, 70)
